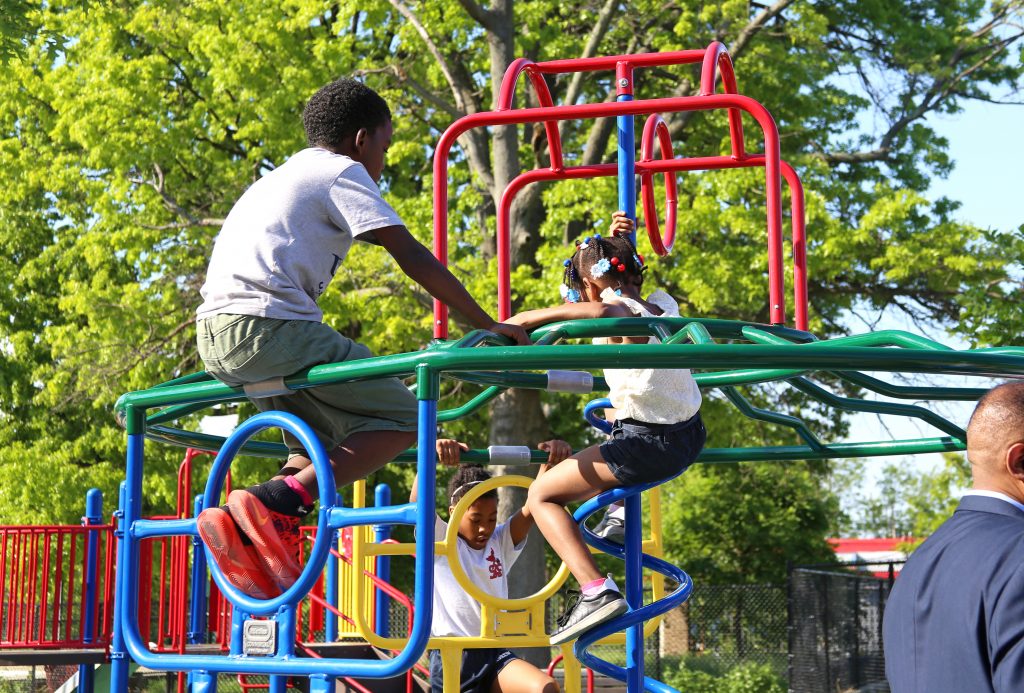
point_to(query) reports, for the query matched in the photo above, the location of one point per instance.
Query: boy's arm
(420, 265)
(448, 452)
(520, 523)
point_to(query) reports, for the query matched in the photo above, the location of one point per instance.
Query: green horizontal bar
(967, 394)
(639, 327)
(919, 446)
(806, 357)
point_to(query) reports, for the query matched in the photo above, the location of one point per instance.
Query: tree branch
(462, 91)
(482, 17)
(737, 47)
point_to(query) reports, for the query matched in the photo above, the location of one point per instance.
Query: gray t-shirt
(287, 235)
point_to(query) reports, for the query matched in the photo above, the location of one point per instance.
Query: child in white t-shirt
(275, 255)
(486, 552)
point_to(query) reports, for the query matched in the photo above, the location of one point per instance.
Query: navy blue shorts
(640, 452)
(479, 669)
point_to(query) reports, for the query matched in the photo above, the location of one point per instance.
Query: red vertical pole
(73, 542)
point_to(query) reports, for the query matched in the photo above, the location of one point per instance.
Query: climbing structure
(730, 354)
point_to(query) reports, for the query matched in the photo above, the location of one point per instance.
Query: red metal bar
(73, 549)
(45, 587)
(771, 163)
(656, 127)
(716, 57)
(608, 62)
(798, 221)
(58, 587)
(558, 660)
(506, 101)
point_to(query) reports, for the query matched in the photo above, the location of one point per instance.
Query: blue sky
(987, 143)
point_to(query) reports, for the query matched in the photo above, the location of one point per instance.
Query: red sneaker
(239, 563)
(275, 536)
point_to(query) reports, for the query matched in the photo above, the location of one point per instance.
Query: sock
(592, 588)
(294, 485)
(598, 586)
(617, 510)
(278, 497)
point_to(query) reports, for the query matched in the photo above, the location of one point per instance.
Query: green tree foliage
(905, 502)
(128, 129)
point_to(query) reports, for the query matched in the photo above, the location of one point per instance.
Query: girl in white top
(486, 552)
(657, 433)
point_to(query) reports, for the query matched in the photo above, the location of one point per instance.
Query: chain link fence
(722, 627)
(836, 630)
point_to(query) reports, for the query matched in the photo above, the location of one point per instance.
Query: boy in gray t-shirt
(279, 247)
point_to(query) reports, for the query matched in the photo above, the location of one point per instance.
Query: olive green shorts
(243, 349)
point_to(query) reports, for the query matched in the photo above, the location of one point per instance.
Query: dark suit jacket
(955, 619)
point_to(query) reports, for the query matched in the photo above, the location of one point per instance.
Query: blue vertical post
(118, 651)
(634, 594)
(626, 143)
(428, 389)
(93, 516)
(286, 633)
(197, 617)
(634, 569)
(382, 606)
(331, 589)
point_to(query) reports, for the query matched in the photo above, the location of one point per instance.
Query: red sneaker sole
(254, 519)
(238, 562)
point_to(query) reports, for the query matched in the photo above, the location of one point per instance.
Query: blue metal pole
(118, 651)
(197, 619)
(331, 587)
(382, 607)
(634, 594)
(93, 516)
(626, 143)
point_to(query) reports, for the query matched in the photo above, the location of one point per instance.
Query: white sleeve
(355, 203)
(509, 551)
(440, 527)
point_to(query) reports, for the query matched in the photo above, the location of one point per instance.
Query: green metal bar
(532, 381)
(921, 446)
(881, 338)
(471, 406)
(805, 357)
(174, 413)
(638, 327)
(661, 331)
(967, 394)
(759, 414)
(849, 404)
(700, 335)
(549, 338)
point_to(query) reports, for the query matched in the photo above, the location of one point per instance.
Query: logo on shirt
(495, 566)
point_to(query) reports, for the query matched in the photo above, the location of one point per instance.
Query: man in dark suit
(955, 619)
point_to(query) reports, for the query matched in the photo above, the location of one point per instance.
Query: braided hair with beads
(600, 256)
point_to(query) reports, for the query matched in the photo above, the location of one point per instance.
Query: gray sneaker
(583, 613)
(611, 528)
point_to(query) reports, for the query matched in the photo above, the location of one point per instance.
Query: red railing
(43, 591)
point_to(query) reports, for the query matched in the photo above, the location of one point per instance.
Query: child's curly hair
(601, 256)
(465, 478)
(340, 109)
